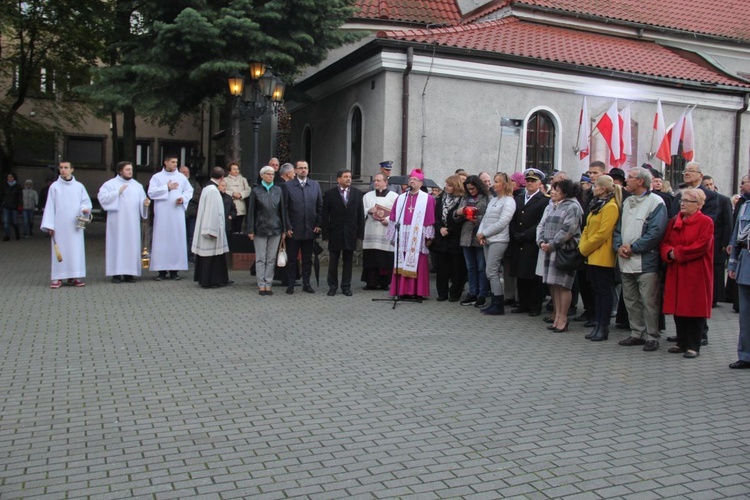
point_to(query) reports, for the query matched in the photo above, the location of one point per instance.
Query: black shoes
(442, 298)
(691, 354)
(480, 302)
(740, 365)
(561, 330)
(651, 345)
(601, 334)
(518, 310)
(331, 292)
(631, 341)
(672, 339)
(470, 300)
(347, 292)
(307, 288)
(290, 290)
(117, 279)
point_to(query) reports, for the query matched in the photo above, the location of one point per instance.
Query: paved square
(165, 390)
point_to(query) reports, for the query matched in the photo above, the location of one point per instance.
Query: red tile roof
(443, 12)
(723, 18)
(578, 48)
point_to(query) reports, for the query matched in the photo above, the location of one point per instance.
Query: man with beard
(126, 204)
(66, 201)
(171, 192)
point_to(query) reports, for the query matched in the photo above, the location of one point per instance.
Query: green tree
(44, 40)
(181, 52)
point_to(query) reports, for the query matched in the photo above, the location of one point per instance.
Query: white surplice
(124, 213)
(66, 200)
(169, 240)
(210, 237)
(375, 232)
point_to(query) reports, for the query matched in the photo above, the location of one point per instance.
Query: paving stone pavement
(164, 390)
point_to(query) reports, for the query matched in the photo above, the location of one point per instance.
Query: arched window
(355, 142)
(540, 142)
(307, 145)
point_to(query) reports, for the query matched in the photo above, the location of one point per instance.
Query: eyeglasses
(685, 172)
(688, 201)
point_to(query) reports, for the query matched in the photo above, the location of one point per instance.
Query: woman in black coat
(447, 255)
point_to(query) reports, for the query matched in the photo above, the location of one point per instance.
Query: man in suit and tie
(304, 206)
(343, 225)
(530, 206)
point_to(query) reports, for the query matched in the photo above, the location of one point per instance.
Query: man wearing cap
(530, 206)
(385, 170)
(412, 230)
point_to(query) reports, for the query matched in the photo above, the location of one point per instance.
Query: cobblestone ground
(165, 390)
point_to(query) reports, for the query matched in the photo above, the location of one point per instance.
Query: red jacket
(688, 290)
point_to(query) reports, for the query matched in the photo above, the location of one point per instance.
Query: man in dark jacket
(530, 206)
(11, 200)
(304, 207)
(343, 224)
(192, 210)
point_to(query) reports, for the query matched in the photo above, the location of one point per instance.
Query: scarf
(449, 201)
(410, 236)
(597, 204)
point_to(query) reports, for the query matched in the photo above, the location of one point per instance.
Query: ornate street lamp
(262, 94)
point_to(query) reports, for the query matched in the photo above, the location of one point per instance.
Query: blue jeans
(28, 221)
(475, 268)
(10, 218)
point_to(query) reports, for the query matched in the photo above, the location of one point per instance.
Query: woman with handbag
(596, 246)
(266, 226)
(559, 232)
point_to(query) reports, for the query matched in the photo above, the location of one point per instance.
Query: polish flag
(688, 137)
(664, 153)
(677, 131)
(584, 130)
(609, 126)
(625, 136)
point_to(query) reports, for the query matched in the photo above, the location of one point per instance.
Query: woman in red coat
(688, 248)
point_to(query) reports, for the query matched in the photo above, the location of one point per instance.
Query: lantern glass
(278, 91)
(257, 70)
(267, 83)
(236, 85)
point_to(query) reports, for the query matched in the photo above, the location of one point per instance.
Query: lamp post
(254, 98)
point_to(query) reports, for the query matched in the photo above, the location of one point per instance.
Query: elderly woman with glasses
(688, 248)
(266, 226)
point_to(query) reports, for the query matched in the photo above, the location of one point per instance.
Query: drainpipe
(405, 110)
(737, 138)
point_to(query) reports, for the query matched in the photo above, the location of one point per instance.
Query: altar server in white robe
(210, 237)
(67, 199)
(170, 192)
(126, 204)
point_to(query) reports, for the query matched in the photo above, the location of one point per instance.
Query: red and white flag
(664, 151)
(625, 136)
(677, 131)
(584, 131)
(609, 126)
(688, 137)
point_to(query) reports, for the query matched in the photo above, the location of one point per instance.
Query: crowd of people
(624, 243)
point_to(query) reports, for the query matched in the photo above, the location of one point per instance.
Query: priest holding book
(377, 252)
(411, 230)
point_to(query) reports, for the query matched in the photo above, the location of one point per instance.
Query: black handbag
(568, 257)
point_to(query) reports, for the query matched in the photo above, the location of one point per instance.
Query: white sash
(410, 237)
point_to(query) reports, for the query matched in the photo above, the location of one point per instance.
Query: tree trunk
(115, 143)
(128, 138)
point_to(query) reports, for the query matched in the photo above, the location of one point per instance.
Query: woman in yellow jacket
(596, 246)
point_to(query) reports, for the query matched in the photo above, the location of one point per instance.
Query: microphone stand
(396, 297)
